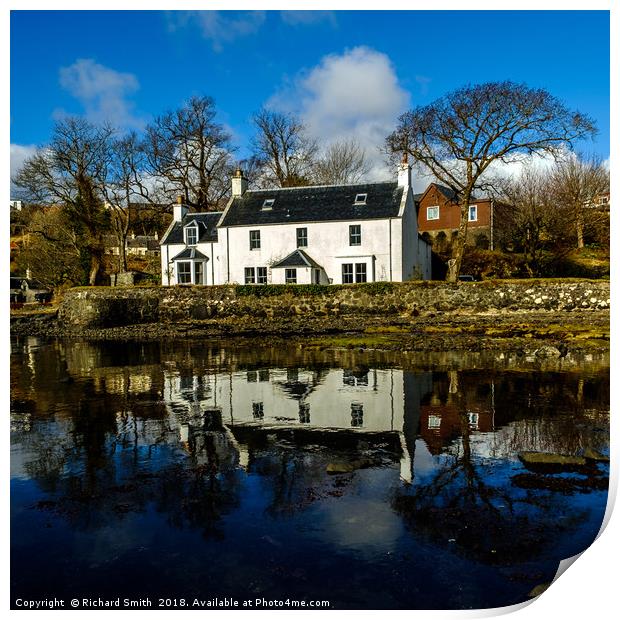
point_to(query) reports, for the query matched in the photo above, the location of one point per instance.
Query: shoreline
(528, 333)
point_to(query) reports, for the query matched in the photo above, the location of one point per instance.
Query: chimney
(180, 210)
(239, 183)
(404, 172)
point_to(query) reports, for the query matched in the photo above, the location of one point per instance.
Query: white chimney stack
(404, 172)
(239, 183)
(180, 210)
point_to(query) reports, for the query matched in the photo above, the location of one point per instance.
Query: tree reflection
(467, 502)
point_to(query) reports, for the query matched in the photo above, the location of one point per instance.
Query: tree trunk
(94, 269)
(458, 245)
(579, 224)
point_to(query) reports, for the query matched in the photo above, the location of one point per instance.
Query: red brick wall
(449, 213)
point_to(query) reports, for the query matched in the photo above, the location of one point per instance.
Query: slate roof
(325, 203)
(190, 253)
(448, 193)
(298, 258)
(207, 228)
(143, 241)
(33, 285)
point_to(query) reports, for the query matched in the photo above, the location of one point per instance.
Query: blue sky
(346, 72)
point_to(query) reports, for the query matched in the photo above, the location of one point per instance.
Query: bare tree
(126, 180)
(459, 136)
(576, 183)
(285, 153)
(342, 163)
(534, 224)
(70, 172)
(189, 153)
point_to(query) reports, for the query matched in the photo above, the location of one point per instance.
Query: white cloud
(19, 154)
(103, 92)
(355, 95)
(307, 18)
(219, 27)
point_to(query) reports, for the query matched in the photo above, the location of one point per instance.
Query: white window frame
(356, 234)
(350, 273)
(189, 273)
(469, 217)
(358, 273)
(249, 275)
(255, 242)
(268, 204)
(434, 422)
(292, 278)
(261, 275)
(194, 228)
(360, 199)
(301, 237)
(429, 210)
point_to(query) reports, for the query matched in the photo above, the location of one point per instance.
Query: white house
(325, 234)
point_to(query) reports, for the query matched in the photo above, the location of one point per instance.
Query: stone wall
(101, 307)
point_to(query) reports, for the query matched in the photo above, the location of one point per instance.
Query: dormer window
(360, 199)
(191, 234)
(268, 204)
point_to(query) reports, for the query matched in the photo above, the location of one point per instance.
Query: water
(369, 480)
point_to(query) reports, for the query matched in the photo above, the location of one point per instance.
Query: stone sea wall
(102, 307)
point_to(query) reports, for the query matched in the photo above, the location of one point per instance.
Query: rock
(348, 467)
(595, 455)
(548, 462)
(538, 590)
(548, 351)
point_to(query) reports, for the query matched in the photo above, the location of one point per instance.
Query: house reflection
(369, 402)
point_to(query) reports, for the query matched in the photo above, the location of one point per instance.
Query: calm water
(368, 480)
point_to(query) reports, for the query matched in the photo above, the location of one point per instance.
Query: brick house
(439, 214)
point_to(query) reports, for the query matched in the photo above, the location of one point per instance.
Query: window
(472, 419)
(355, 234)
(473, 213)
(292, 374)
(184, 273)
(354, 378)
(302, 237)
(255, 240)
(261, 275)
(290, 276)
(249, 275)
(268, 204)
(360, 199)
(198, 273)
(360, 272)
(432, 213)
(317, 276)
(434, 421)
(251, 376)
(347, 273)
(263, 375)
(191, 235)
(357, 414)
(257, 411)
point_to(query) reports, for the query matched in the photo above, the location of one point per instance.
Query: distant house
(439, 215)
(136, 245)
(27, 290)
(339, 234)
